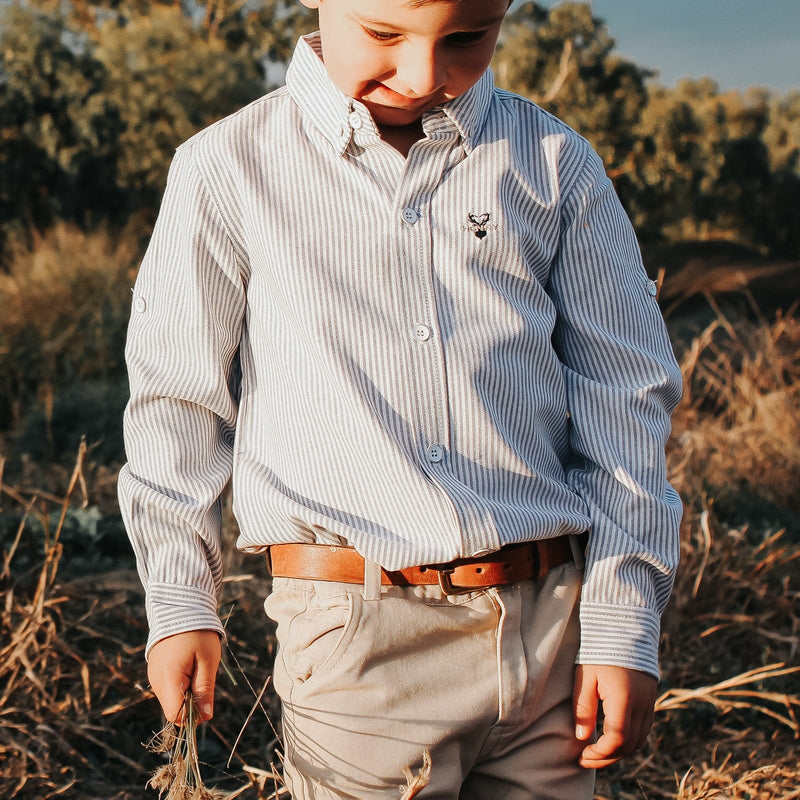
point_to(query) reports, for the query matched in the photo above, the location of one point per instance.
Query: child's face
(402, 57)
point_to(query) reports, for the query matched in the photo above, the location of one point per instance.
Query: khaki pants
(482, 681)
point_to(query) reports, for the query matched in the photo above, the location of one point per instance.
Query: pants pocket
(313, 630)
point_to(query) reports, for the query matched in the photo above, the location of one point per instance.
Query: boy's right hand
(185, 661)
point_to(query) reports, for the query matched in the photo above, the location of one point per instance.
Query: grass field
(75, 711)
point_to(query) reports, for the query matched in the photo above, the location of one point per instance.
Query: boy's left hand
(627, 698)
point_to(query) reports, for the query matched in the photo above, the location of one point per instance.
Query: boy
(406, 312)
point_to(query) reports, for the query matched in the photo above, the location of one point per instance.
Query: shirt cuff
(175, 609)
(620, 636)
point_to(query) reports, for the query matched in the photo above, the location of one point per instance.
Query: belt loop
(578, 543)
(372, 580)
(268, 556)
(542, 550)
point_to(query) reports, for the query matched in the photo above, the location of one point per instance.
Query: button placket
(433, 410)
(432, 406)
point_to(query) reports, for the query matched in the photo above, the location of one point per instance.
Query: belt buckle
(446, 584)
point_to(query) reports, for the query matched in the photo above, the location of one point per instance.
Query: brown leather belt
(515, 563)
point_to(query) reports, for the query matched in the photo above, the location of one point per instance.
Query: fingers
(615, 737)
(585, 703)
(628, 697)
(185, 661)
(205, 676)
(169, 678)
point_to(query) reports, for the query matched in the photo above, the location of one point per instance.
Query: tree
(564, 60)
(782, 140)
(52, 113)
(94, 100)
(716, 164)
(167, 79)
(96, 94)
(782, 133)
(688, 162)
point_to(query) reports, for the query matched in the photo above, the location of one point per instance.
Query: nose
(422, 71)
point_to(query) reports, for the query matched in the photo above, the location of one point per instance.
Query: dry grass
(49, 669)
(180, 778)
(739, 425)
(727, 723)
(74, 710)
(64, 297)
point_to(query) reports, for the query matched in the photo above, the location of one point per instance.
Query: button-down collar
(340, 118)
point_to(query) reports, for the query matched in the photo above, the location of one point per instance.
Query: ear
(312, 4)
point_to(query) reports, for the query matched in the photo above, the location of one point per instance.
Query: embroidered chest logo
(479, 224)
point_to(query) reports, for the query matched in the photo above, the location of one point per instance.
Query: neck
(401, 137)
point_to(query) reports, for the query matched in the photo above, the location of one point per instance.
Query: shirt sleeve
(182, 356)
(622, 385)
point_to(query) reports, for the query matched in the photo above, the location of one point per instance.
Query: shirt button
(140, 305)
(410, 216)
(355, 120)
(422, 333)
(435, 453)
(652, 289)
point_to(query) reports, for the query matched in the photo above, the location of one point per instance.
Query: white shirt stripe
(426, 357)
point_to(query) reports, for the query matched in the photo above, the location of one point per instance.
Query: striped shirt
(428, 358)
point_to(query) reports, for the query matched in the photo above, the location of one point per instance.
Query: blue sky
(738, 43)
